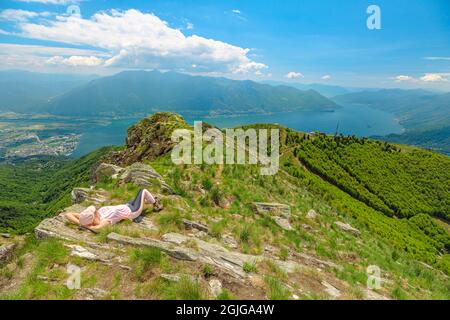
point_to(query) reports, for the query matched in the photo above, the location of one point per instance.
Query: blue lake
(360, 121)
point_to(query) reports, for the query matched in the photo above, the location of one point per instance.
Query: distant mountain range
(424, 114)
(143, 92)
(414, 108)
(434, 139)
(326, 90)
(23, 91)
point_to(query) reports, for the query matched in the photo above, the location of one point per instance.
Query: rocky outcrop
(90, 254)
(281, 213)
(57, 227)
(347, 228)
(188, 224)
(107, 170)
(277, 209)
(188, 248)
(283, 223)
(138, 173)
(96, 197)
(171, 250)
(149, 138)
(6, 252)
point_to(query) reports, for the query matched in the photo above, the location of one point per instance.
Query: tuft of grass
(145, 259)
(245, 234)
(249, 267)
(216, 195)
(217, 228)
(275, 290)
(185, 289)
(207, 270)
(52, 251)
(225, 295)
(207, 184)
(398, 294)
(283, 254)
(170, 219)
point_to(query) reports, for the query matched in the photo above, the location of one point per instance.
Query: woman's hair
(87, 216)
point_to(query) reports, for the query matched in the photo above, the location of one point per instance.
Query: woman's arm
(73, 217)
(102, 224)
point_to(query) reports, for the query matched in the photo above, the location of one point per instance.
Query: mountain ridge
(144, 91)
(227, 232)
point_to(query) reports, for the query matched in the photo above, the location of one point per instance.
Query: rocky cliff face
(149, 138)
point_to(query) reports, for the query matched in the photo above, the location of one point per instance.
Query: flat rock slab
(187, 248)
(91, 294)
(219, 256)
(90, 254)
(347, 228)
(195, 225)
(331, 290)
(272, 208)
(58, 227)
(283, 223)
(171, 250)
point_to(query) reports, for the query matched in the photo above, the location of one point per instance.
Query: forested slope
(35, 189)
(401, 181)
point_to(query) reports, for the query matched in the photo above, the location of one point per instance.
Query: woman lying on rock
(94, 219)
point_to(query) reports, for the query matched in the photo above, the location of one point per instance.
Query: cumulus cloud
(434, 77)
(402, 78)
(75, 61)
(326, 77)
(36, 57)
(428, 77)
(21, 15)
(294, 75)
(135, 39)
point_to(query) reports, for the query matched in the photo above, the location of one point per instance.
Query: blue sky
(294, 41)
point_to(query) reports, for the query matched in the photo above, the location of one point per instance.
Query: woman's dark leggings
(136, 203)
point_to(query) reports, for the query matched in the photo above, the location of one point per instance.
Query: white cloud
(3, 31)
(35, 57)
(56, 2)
(402, 78)
(434, 77)
(135, 39)
(189, 26)
(294, 75)
(21, 15)
(75, 61)
(428, 77)
(250, 66)
(437, 58)
(326, 77)
(236, 11)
